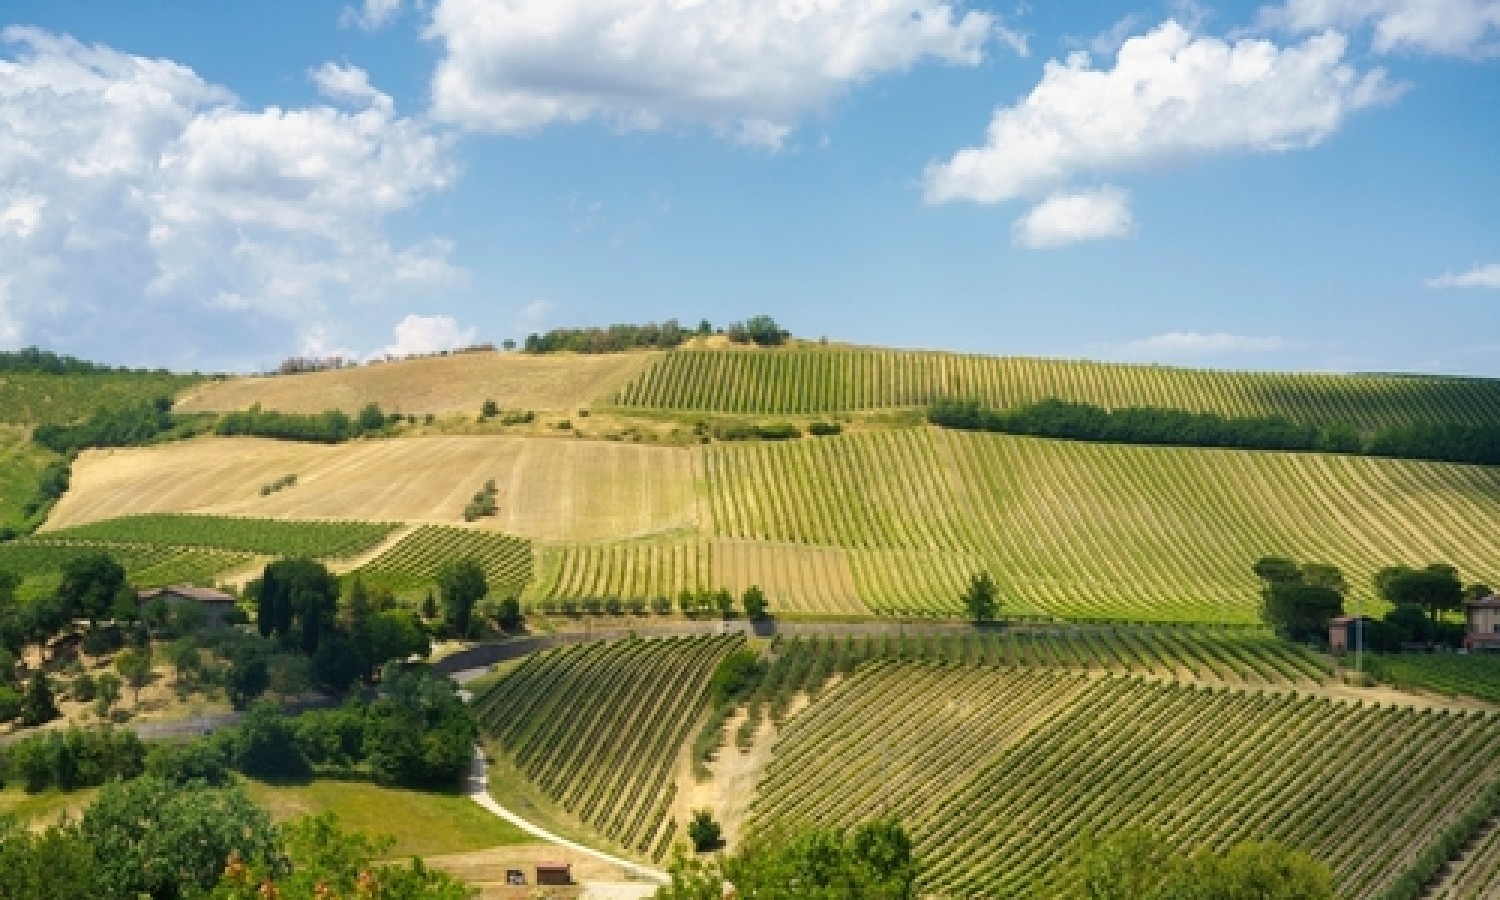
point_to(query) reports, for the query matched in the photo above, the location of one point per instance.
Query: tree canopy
(1298, 600)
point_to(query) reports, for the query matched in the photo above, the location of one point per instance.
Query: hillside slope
(828, 381)
(459, 383)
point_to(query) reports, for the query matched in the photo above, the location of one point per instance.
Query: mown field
(804, 382)
(459, 383)
(999, 750)
(553, 489)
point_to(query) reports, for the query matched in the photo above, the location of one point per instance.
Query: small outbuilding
(1343, 633)
(554, 873)
(1483, 631)
(215, 603)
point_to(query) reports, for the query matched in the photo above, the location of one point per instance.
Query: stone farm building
(215, 603)
(1484, 624)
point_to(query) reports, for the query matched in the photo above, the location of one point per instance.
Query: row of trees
(45, 362)
(330, 427)
(760, 330)
(1144, 425)
(1478, 444)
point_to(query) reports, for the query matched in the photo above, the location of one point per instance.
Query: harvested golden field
(440, 384)
(550, 489)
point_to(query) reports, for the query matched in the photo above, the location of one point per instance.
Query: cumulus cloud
(1170, 95)
(428, 334)
(1469, 28)
(1067, 218)
(750, 69)
(132, 182)
(1479, 277)
(371, 16)
(1196, 343)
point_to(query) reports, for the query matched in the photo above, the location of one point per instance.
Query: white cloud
(1445, 27)
(1067, 218)
(533, 315)
(1478, 277)
(1170, 95)
(1195, 343)
(749, 69)
(428, 334)
(373, 15)
(128, 182)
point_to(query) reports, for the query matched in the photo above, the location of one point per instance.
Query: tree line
(1476, 444)
(329, 427)
(45, 362)
(760, 330)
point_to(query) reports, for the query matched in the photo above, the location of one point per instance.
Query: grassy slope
(36, 399)
(422, 823)
(810, 382)
(21, 463)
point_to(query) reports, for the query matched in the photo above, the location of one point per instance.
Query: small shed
(1483, 631)
(554, 873)
(215, 603)
(1343, 633)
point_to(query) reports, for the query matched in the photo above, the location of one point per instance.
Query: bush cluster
(485, 502)
(281, 483)
(613, 339)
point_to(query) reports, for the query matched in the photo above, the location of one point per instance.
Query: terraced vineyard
(826, 381)
(1207, 767)
(416, 559)
(597, 727)
(1095, 530)
(268, 536)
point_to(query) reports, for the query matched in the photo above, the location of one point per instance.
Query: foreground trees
(874, 861)
(1138, 865)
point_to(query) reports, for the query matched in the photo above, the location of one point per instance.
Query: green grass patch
(21, 464)
(47, 808)
(423, 823)
(34, 398)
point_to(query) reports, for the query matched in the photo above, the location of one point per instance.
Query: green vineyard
(1243, 656)
(1475, 875)
(417, 558)
(828, 381)
(1003, 770)
(39, 563)
(274, 537)
(597, 727)
(1095, 530)
(1476, 675)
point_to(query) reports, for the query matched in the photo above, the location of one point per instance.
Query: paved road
(478, 790)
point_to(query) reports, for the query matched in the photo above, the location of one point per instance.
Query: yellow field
(551, 489)
(441, 384)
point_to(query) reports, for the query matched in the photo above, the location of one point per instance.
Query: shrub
(823, 429)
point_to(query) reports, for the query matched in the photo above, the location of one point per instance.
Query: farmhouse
(1343, 633)
(1484, 624)
(214, 603)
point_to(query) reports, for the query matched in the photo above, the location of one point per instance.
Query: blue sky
(1306, 184)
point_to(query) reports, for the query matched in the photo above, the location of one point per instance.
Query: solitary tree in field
(754, 601)
(704, 831)
(107, 693)
(38, 705)
(134, 665)
(462, 585)
(982, 598)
